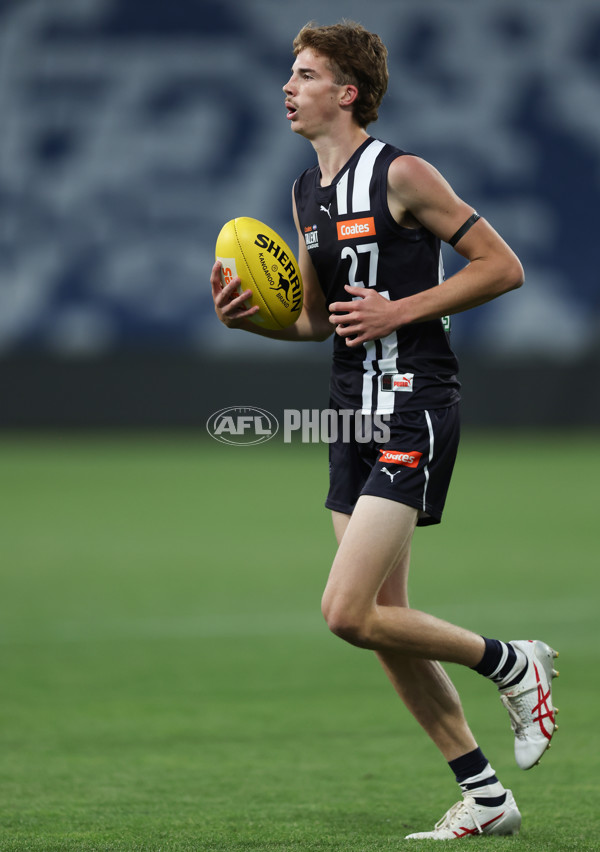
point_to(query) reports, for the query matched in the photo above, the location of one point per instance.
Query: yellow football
(266, 265)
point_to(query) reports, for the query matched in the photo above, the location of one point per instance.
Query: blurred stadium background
(133, 129)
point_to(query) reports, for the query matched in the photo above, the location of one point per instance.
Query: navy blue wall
(133, 129)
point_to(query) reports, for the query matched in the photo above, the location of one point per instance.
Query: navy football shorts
(413, 467)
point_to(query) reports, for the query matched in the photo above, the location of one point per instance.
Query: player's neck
(334, 151)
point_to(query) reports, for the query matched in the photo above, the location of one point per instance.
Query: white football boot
(468, 819)
(529, 703)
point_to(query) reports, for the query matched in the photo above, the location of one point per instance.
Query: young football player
(372, 277)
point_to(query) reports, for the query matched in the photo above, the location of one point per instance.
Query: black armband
(464, 228)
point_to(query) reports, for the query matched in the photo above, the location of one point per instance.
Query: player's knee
(345, 622)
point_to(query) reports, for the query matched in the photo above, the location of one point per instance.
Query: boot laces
(517, 712)
(458, 812)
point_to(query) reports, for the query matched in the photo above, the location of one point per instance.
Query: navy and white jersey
(352, 238)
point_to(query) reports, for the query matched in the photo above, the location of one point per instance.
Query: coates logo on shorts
(411, 459)
(244, 426)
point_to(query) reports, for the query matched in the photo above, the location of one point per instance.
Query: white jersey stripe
(361, 201)
(387, 364)
(341, 192)
(363, 173)
(368, 392)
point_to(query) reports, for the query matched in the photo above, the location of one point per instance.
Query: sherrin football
(266, 265)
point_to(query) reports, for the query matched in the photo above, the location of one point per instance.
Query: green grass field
(167, 681)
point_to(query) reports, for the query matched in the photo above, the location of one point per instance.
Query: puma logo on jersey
(326, 209)
(399, 383)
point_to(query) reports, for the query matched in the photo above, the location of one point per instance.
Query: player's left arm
(419, 195)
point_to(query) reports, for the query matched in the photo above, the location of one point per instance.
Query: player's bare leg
(423, 685)
(427, 691)
(376, 541)
(365, 602)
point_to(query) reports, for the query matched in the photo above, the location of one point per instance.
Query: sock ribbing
(501, 663)
(476, 777)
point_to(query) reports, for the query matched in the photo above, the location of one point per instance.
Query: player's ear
(349, 95)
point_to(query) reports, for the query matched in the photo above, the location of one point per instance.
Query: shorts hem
(345, 509)
(429, 516)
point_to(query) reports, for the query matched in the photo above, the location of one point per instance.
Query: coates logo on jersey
(352, 228)
(411, 459)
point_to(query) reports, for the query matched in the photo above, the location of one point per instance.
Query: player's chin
(297, 127)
